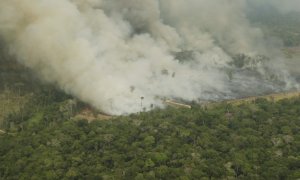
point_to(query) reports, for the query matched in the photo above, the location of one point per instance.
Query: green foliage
(260, 140)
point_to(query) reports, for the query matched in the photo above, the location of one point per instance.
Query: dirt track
(270, 97)
(2, 132)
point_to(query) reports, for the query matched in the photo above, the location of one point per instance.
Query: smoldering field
(109, 53)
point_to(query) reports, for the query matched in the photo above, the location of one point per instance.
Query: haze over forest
(149, 89)
(111, 53)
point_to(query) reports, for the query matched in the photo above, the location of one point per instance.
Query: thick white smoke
(110, 53)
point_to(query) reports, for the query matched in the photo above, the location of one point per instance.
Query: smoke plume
(110, 53)
(283, 6)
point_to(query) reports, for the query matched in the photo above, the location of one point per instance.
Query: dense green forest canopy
(258, 140)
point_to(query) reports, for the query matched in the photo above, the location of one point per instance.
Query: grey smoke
(110, 53)
(286, 6)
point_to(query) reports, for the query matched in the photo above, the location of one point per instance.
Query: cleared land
(270, 97)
